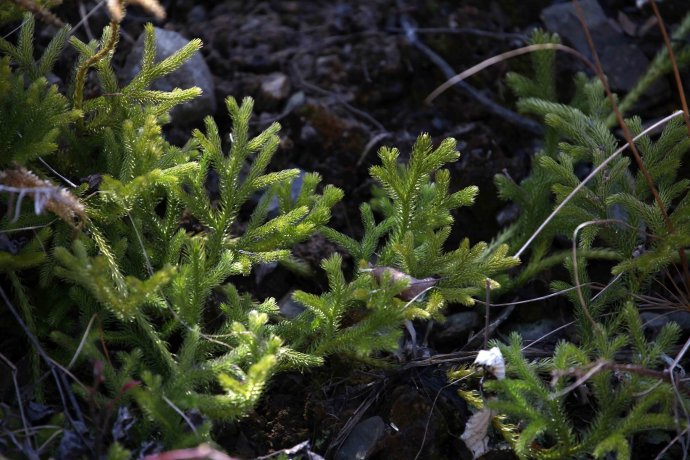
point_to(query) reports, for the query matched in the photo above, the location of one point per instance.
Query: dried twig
(498, 110)
(30, 452)
(456, 79)
(40, 12)
(487, 309)
(474, 341)
(357, 416)
(312, 87)
(584, 374)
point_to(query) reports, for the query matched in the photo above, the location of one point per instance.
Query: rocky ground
(344, 78)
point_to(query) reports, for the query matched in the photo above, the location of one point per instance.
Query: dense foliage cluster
(120, 284)
(121, 287)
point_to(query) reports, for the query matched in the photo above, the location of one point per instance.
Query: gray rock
(457, 327)
(622, 61)
(537, 330)
(194, 72)
(261, 271)
(654, 322)
(275, 86)
(288, 307)
(361, 442)
(196, 14)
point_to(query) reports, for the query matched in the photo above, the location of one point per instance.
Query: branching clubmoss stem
(629, 140)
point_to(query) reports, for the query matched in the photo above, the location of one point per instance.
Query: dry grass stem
(589, 177)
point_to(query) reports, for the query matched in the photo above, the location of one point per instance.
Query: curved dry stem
(77, 352)
(578, 287)
(591, 175)
(502, 57)
(674, 65)
(80, 78)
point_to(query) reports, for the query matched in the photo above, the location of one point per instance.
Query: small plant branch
(589, 177)
(586, 373)
(80, 79)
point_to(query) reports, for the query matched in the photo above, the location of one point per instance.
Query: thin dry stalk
(535, 299)
(181, 414)
(604, 365)
(678, 437)
(20, 403)
(58, 372)
(504, 57)
(82, 342)
(591, 175)
(576, 274)
(674, 65)
(487, 308)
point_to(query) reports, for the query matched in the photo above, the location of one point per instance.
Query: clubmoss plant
(404, 271)
(124, 286)
(610, 214)
(121, 274)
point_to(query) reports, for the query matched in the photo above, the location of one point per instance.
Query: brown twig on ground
(585, 373)
(464, 87)
(339, 99)
(357, 416)
(40, 12)
(474, 341)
